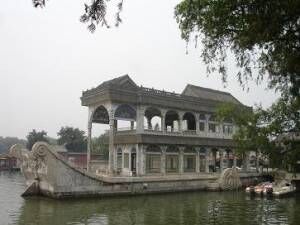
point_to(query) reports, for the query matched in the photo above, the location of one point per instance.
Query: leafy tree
(101, 145)
(35, 136)
(262, 34)
(267, 131)
(94, 13)
(7, 142)
(73, 138)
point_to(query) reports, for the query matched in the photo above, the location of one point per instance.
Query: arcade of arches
(143, 159)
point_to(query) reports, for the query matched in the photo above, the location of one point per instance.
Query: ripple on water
(197, 208)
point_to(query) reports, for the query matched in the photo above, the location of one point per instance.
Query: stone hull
(48, 174)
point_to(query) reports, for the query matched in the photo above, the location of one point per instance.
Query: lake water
(232, 208)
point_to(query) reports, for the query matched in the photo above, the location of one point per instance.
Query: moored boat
(283, 189)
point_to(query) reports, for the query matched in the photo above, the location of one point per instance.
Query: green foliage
(35, 136)
(73, 138)
(267, 131)
(7, 142)
(94, 13)
(262, 34)
(100, 145)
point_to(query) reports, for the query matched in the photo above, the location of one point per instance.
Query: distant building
(8, 162)
(77, 159)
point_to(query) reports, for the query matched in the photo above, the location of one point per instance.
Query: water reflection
(171, 209)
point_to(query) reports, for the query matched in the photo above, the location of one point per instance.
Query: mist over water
(232, 208)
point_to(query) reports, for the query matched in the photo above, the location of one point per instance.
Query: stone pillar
(207, 157)
(163, 160)
(111, 143)
(246, 165)
(234, 159)
(181, 160)
(206, 123)
(197, 123)
(221, 153)
(163, 121)
(197, 161)
(180, 118)
(131, 125)
(89, 145)
(149, 123)
(140, 119)
(221, 128)
(142, 160)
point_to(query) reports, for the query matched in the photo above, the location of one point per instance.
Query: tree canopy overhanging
(264, 35)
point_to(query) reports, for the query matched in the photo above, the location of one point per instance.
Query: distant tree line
(73, 139)
(7, 142)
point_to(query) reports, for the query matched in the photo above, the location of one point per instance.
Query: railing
(189, 132)
(185, 133)
(125, 128)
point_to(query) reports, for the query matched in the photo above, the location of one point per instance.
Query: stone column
(180, 115)
(149, 123)
(142, 160)
(111, 142)
(163, 160)
(221, 153)
(246, 165)
(131, 125)
(197, 161)
(89, 145)
(197, 123)
(207, 157)
(181, 160)
(221, 128)
(140, 119)
(234, 159)
(163, 121)
(206, 123)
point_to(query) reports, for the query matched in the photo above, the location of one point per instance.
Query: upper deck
(184, 118)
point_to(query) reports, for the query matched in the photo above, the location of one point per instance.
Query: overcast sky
(47, 57)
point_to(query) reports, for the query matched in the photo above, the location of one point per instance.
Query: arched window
(100, 115)
(202, 121)
(190, 121)
(171, 121)
(153, 119)
(125, 112)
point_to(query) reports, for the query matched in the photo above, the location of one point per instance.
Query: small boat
(268, 189)
(283, 189)
(261, 188)
(250, 190)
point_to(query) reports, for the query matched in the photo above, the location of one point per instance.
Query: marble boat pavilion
(187, 140)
